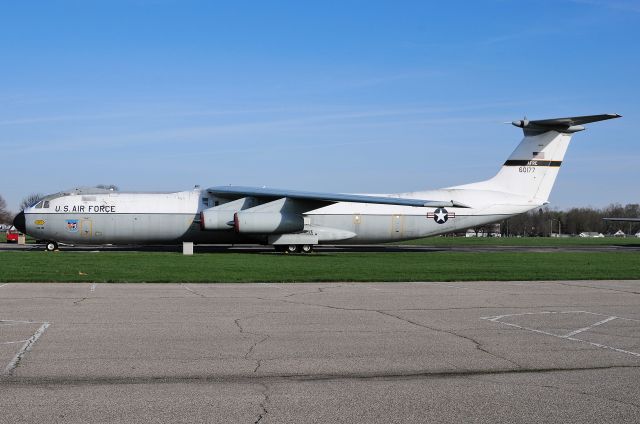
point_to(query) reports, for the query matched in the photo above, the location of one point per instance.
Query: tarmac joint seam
(263, 379)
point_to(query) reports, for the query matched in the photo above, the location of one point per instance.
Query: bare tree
(30, 200)
(5, 215)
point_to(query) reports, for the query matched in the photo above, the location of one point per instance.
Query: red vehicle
(12, 235)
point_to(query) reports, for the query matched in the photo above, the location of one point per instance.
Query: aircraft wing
(237, 192)
(622, 219)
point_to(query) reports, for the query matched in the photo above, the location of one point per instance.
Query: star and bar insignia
(441, 215)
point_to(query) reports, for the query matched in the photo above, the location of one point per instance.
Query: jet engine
(221, 217)
(216, 219)
(267, 222)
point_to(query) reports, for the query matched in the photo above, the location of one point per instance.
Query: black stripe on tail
(532, 162)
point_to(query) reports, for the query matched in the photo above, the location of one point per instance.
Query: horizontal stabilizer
(234, 192)
(566, 125)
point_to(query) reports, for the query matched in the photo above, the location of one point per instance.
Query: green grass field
(272, 267)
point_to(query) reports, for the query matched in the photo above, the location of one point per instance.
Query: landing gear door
(86, 228)
(396, 225)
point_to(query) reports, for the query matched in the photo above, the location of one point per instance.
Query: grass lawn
(272, 267)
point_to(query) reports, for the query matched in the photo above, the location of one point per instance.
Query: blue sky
(350, 96)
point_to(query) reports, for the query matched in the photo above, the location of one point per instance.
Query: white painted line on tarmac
(92, 288)
(26, 347)
(573, 333)
(2, 285)
(14, 322)
(6, 343)
(497, 319)
(190, 289)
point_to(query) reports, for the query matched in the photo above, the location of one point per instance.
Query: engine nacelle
(267, 222)
(216, 220)
(221, 217)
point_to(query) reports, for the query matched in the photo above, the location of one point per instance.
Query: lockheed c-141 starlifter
(295, 221)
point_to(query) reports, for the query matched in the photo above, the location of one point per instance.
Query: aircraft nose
(19, 222)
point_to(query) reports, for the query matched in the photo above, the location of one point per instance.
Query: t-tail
(533, 166)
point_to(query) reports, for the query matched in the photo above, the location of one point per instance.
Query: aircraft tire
(292, 248)
(51, 246)
(306, 248)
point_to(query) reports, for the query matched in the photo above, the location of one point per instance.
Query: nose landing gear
(51, 246)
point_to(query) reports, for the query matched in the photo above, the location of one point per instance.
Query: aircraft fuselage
(159, 218)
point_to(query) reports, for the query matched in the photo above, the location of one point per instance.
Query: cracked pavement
(333, 352)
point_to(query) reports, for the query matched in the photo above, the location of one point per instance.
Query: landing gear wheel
(51, 246)
(292, 248)
(306, 248)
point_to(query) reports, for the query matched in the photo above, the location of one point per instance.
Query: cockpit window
(39, 205)
(46, 204)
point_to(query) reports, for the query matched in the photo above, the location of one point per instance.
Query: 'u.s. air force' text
(88, 208)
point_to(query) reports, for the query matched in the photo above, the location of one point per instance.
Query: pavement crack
(318, 290)
(473, 308)
(476, 343)
(563, 389)
(250, 351)
(318, 305)
(264, 338)
(77, 302)
(591, 395)
(263, 403)
(592, 287)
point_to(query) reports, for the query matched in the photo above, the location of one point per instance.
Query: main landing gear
(294, 248)
(51, 246)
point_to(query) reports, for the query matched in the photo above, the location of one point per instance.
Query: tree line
(544, 221)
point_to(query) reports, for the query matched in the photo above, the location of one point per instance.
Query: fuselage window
(205, 201)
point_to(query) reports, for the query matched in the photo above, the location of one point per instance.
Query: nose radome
(19, 222)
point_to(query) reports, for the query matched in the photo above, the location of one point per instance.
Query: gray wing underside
(236, 192)
(575, 120)
(569, 124)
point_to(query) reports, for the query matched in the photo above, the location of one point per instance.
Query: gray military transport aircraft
(295, 221)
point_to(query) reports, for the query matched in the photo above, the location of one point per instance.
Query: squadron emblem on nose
(441, 215)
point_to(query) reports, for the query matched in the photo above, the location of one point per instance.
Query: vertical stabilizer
(532, 168)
